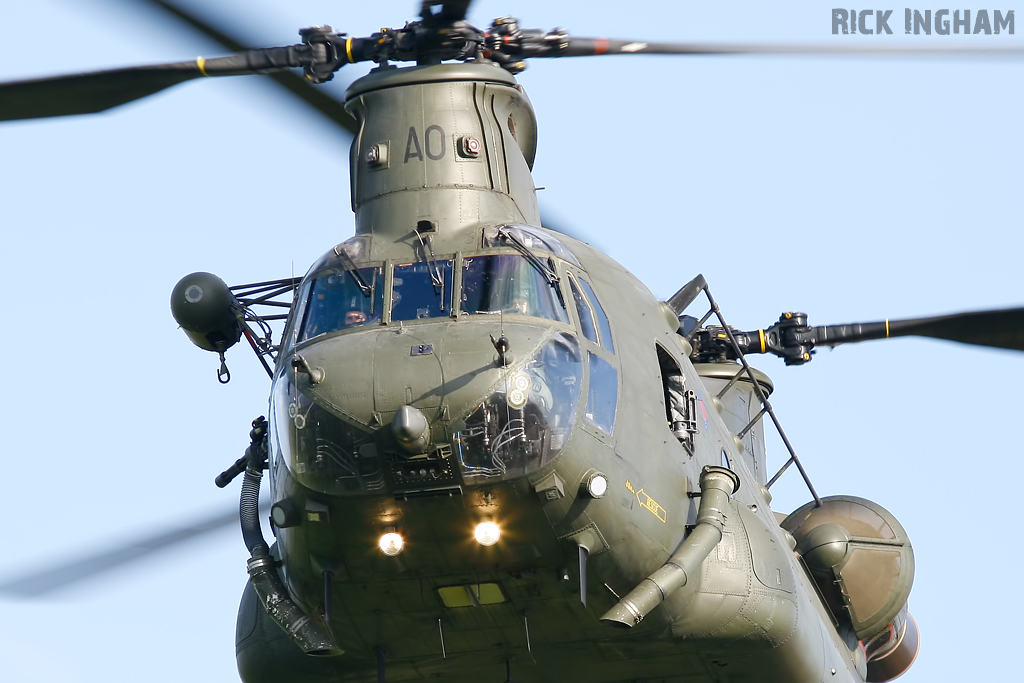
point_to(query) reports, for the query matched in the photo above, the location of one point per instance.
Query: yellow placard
(649, 503)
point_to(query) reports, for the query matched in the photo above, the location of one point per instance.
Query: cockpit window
(422, 290)
(602, 319)
(530, 237)
(509, 284)
(340, 299)
(602, 396)
(528, 420)
(296, 316)
(583, 310)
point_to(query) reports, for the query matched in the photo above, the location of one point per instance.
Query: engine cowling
(891, 652)
(862, 562)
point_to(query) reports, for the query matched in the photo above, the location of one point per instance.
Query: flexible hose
(249, 512)
(302, 630)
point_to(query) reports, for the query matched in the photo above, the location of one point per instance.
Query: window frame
(594, 348)
(296, 326)
(595, 307)
(454, 286)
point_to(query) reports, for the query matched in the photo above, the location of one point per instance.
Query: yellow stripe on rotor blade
(201, 63)
(760, 334)
(348, 50)
(886, 328)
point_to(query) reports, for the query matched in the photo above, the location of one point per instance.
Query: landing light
(597, 484)
(487, 533)
(391, 543)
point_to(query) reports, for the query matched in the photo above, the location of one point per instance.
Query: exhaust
(717, 484)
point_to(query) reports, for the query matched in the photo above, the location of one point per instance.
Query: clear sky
(854, 189)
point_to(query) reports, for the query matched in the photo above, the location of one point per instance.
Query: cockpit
(394, 334)
(340, 299)
(338, 294)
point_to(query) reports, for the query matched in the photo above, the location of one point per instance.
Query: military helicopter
(730, 316)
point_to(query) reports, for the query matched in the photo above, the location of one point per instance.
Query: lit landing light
(596, 484)
(391, 542)
(487, 533)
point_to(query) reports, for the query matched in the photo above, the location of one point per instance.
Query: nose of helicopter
(461, 408)
(439, 368)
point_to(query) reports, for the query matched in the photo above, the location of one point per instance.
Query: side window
(584, 312)
(602, 396)
(602, 319)
(297, 313)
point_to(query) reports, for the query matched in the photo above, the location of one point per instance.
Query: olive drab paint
(420, 113)
(395, 424)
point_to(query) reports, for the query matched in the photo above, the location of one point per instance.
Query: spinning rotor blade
(88, 93)
(792, 339)
(1003, 329)
(291, 81)
(442, 34)
(215, 34)
(47, 580)
(101, 90)
(585, 47)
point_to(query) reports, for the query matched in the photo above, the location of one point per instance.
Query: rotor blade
(291, 81)
(88, 93)
(101, 90)
(792, 340)
(50, 579)
(216, 35)
(581, 47)
(1002, 329)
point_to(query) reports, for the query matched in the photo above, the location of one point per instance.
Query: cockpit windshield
(528, 236)
(528, 420)
(422, 290)
(508, 283)
(343, 298)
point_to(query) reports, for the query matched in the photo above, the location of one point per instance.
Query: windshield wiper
(534, 260)
(545, 269)
(428, 254)
(349, 267)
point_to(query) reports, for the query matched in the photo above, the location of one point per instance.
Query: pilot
(355, 317)
(358, 310)
(519, 305)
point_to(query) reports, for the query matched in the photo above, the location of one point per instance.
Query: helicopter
(734, 317)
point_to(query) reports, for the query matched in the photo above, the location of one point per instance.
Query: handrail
(697, 285)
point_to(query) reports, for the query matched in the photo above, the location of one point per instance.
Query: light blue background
(850, 188)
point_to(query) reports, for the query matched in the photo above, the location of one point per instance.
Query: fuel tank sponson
(717, 484)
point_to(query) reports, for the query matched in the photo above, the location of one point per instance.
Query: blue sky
(852, 189)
